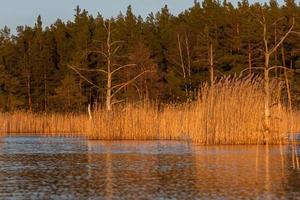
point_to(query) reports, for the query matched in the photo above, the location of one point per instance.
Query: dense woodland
(164, 58)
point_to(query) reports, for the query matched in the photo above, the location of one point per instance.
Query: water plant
(231, 111)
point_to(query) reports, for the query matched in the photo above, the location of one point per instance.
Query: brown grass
(230, 112)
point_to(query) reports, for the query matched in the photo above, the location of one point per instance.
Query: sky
(24, 12)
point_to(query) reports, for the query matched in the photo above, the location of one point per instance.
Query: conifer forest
(164, 58)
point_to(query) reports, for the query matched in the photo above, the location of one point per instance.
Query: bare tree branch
(257, 17)
(99, 41)
(116, 42)
(115, 102)
(115, 50)
(83, 77)
(121, 86)
(98, 52)
(89, 70)
(105, 26)
(282, 67)
(260, 68)
(123, 66)
(279, 19)
(218, 71)
(137, 89)
(283, 38)
(295, 32)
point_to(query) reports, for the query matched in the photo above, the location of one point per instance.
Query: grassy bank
(230, 112)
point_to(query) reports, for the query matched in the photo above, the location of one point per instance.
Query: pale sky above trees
(21, 12)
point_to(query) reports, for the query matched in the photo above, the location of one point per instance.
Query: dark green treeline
(179, 50)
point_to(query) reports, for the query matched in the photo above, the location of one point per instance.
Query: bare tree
(210, 55)
(267, 53)
(111, 48)
(211, 62)
(141, 56)
(183, 67)
(185, 62)
(27, 70)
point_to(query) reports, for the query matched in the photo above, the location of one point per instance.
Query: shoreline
(229, 112)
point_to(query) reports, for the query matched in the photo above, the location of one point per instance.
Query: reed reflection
(143, 173)
(144, 170)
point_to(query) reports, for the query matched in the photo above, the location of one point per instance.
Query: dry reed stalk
(229, 113)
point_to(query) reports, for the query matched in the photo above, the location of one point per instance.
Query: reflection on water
(54, 168)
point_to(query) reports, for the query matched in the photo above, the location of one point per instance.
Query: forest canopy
(177, 52)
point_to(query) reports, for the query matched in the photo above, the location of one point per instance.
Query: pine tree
(68, 95)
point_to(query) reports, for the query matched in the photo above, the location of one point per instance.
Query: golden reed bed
(230, 112)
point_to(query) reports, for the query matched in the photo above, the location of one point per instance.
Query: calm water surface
(62, 168)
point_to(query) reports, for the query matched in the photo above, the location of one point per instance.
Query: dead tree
(111, 48)
(211, 62)
(183, 67)
(267, 54)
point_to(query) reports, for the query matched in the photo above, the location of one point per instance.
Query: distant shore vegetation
(214, 74)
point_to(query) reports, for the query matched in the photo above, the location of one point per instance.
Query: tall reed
(229, 112)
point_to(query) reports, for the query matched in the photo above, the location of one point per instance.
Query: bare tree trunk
(189, 62)
(147, 90)
(188, 54)
(80, 87)
(45, 92)
(291, 118)
(109, 74)
(275, 52)
(69, 98)
(286, 80)
(249, 57)
(277, 72)
(211, 62)
(238, 35)
(29, 92)
(90, 112)
(267, 114)
(108, 93)
(28, 79)
(268, 53)
(267, 100)
(111, 69)
(182, 65)
(45, 83)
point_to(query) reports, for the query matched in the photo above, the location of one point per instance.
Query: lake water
(64, 168)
